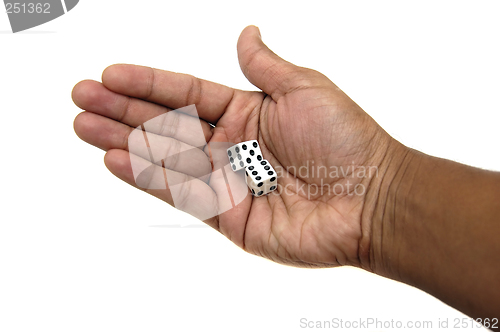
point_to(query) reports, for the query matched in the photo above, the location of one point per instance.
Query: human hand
(331, 154)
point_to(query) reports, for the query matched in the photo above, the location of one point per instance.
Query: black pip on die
(260, 176)
(244, 154)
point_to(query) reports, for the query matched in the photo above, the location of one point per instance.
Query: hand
(331, 153)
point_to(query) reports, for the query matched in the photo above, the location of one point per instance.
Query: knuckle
(151, 83)
(170, 124)
(195, 91)
(172, 153)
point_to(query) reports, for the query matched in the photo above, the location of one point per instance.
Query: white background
(75, 255)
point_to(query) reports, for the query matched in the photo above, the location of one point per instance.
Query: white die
(261, 178)
(244, 154)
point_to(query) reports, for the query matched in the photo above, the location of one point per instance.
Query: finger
(94, 97)
(179, 190)
(108, 134)
(265, 69)
(170, 89)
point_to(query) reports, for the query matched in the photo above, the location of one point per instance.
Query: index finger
(173, 90)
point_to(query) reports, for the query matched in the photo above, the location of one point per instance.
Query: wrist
(384, 206)
(433, 224)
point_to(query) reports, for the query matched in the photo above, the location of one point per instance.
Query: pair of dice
(260, 176)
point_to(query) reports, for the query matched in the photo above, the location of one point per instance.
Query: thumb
(265, 69)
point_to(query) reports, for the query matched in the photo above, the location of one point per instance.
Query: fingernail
(258, 30)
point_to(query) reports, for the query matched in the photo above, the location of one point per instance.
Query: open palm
(327, 149)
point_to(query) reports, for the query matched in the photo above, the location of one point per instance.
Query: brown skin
(402, 225)
(438, 230)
